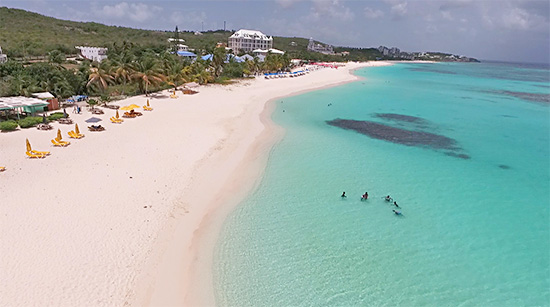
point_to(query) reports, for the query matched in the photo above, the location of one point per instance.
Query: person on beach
(395, 204)
(74, 110)
(344, 194)
(365, 196)
(396, 212)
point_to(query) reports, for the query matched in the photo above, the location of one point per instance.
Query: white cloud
(286, 3)
(514, 18)
(330, 9)
(447, 15)
(455, 4)
(398, 8)
(373, 14)
(133, 11)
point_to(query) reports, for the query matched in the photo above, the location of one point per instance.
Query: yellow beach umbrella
(59, 137)
(148, 103)
(126, 108)
(134, 106)
(76, 129)
(116, 114)
(28, 146)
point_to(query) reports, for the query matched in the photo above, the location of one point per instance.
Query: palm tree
(217, 61)
(100, 76)
(147, 72)
(123, 68)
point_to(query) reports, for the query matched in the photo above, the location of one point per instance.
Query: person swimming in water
(344, 194)
(365, 196)
(395, 204)
(388, 198)
(396, 212)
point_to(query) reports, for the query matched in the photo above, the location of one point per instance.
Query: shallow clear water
(473, 232)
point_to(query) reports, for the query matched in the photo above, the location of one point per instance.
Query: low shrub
(8, 125)
(30, 121)
(56, 116)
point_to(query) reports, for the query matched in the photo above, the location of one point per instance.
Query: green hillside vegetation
(27, 34)
(24, 33)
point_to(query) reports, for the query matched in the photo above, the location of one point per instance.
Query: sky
(504, 30)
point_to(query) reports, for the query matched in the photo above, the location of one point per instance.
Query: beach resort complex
(142, 166)
(249, 40)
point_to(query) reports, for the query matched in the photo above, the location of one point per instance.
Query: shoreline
(199, 283)
(127, 216)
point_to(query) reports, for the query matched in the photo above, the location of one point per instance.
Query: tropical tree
(122, 67)
(56, 57)
(217, 61)
(147, 72)
(100, 76)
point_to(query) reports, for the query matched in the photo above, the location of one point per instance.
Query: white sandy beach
(129, 216)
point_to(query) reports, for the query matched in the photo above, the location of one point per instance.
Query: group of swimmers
(387, 198)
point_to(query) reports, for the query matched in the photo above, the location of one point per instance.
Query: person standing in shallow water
(344, 194)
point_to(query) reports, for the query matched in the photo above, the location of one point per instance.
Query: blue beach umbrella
(93, 120)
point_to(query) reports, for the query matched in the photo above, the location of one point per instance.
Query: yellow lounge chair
(64, 143)
(2, 168)
(74, 135)
(33, 156)
(146, 108)
(116, 120)
(44, 153)
(56, 142)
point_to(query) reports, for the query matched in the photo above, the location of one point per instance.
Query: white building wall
(3, 57)
(248, 40)
(97, 54)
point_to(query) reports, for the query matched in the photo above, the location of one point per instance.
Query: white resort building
(97, 54)
(249, 40)
(3, 57)
(312, 46)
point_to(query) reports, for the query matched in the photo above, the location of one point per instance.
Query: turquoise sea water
(473, 232)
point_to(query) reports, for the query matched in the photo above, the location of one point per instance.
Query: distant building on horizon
(96, 54)
(392, 52)
(324, 49)
(249, 40)
(3, 57)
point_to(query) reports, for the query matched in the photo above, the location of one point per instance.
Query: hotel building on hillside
(97, 54)
(249, 40)
(324, 49)
(3, 57)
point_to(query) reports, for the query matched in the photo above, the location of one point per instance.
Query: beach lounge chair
(74, 135)
(66, 121)
(44, 127)
(43, 153)
(96, 128)
(146, 108)
(64, 143)
(2, 168)
(33, 156)
(116, 120)
(59, 143)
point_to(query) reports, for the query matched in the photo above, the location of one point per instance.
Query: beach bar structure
(53, 103)
(20, 105)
